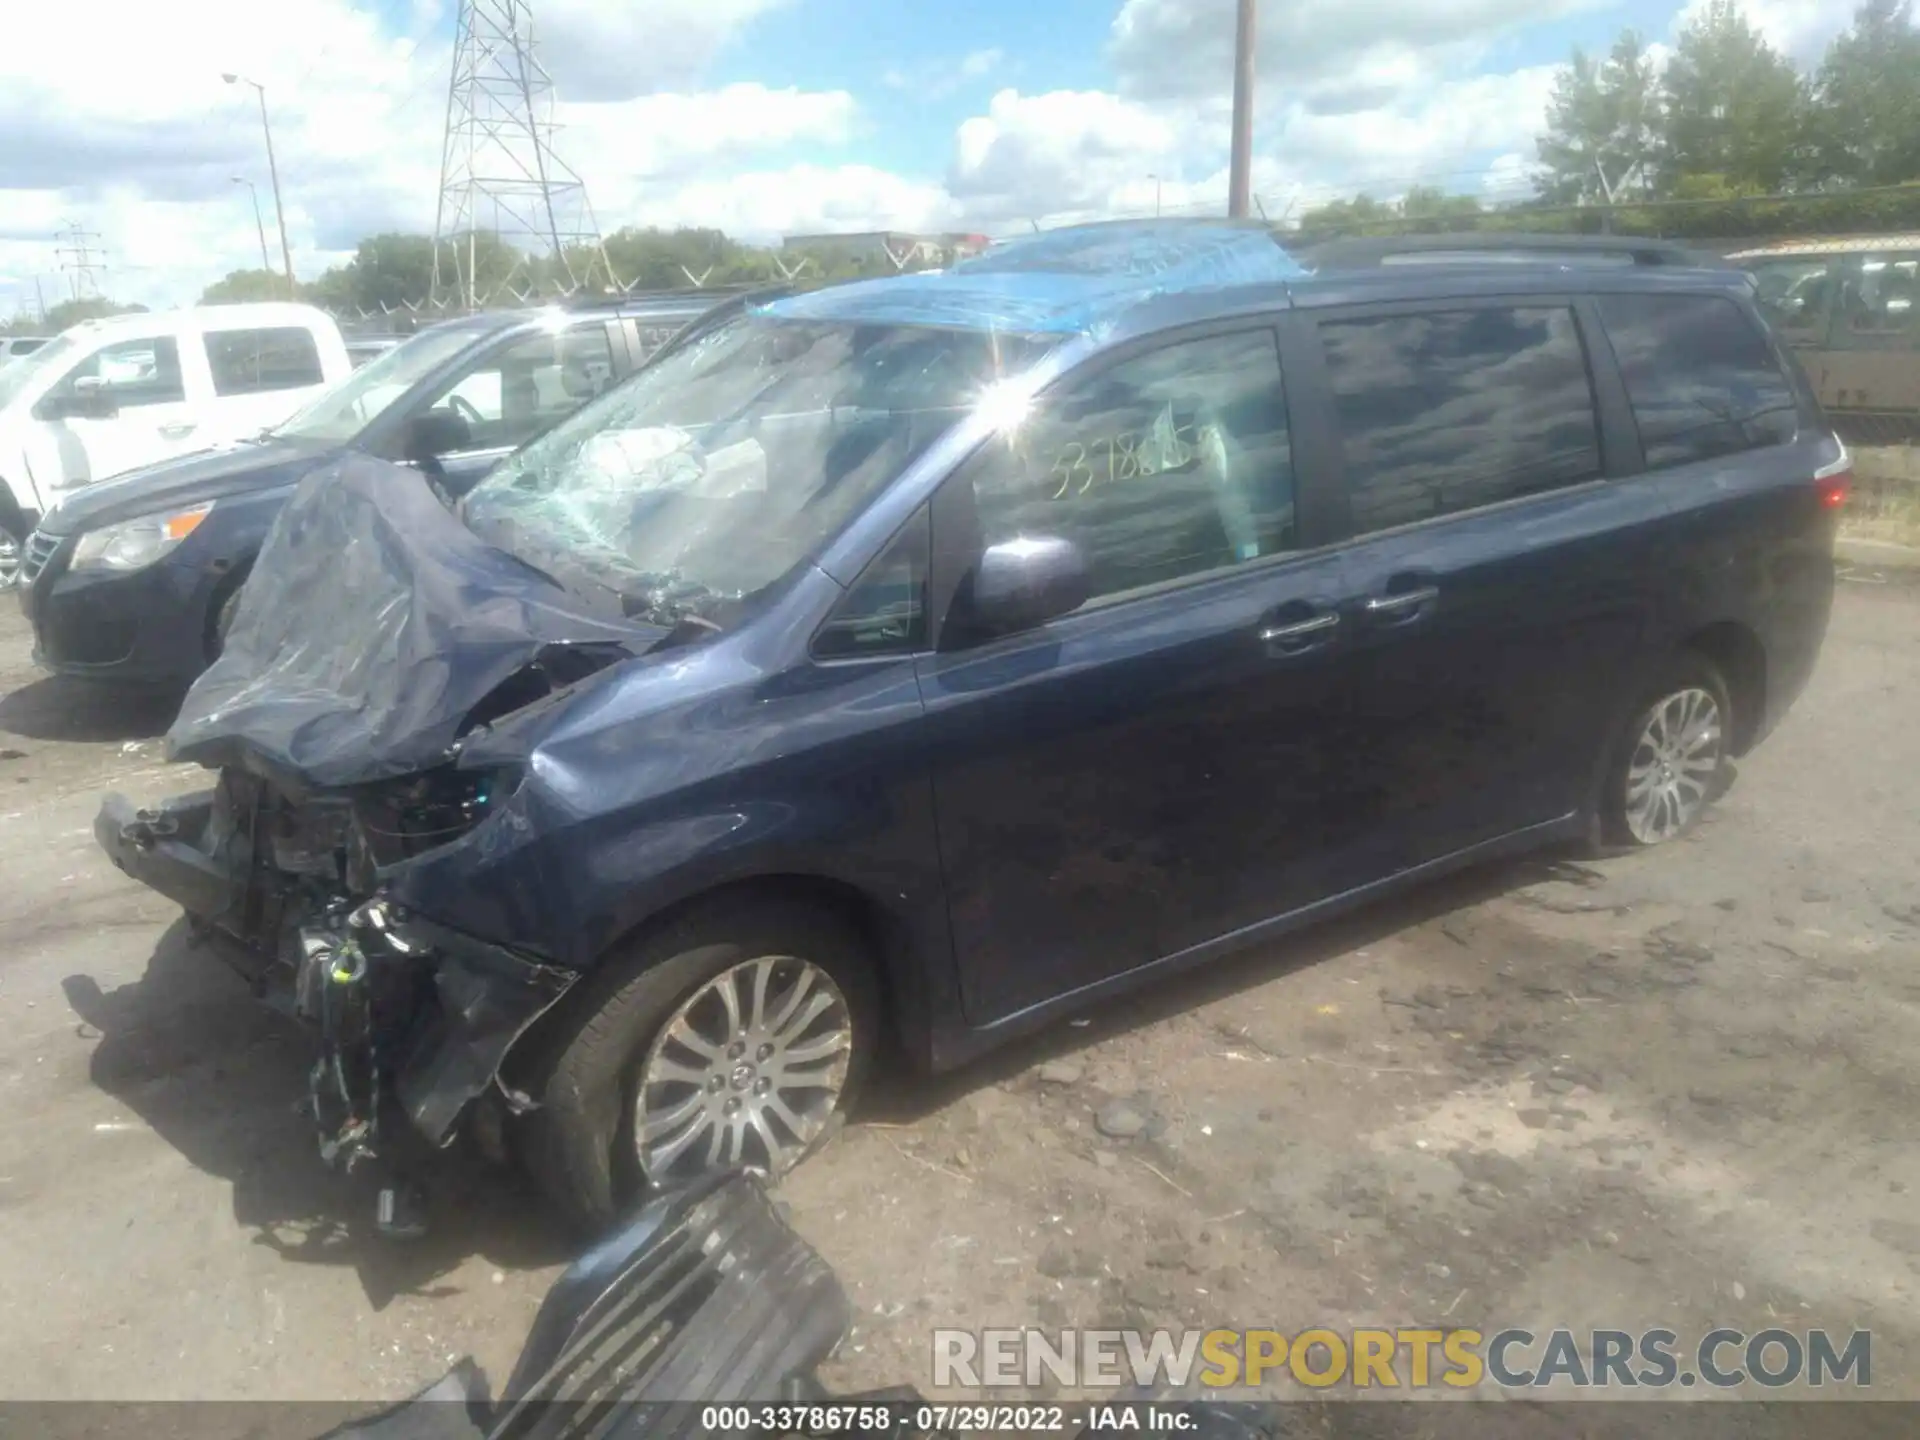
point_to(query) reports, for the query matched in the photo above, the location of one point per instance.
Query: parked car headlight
(134, 544)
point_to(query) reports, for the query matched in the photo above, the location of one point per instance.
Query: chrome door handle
(1299, 629)
(1403, 601)
(175, 431)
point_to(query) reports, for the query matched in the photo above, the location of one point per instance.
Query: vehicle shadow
(908, 1097)
(221, 1078)
(55, 708)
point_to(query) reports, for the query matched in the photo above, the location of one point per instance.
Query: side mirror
(91, 398)
(1028, 581)
(434, 433)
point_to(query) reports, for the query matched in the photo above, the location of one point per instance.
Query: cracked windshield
(727, 463)
(790, 718)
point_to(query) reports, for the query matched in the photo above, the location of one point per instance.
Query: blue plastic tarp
(1067, 281)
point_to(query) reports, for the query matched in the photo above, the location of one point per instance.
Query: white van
(110, 395)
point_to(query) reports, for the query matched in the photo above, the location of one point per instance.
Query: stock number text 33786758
(1079, 465)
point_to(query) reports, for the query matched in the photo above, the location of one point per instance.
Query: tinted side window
(136, 372)
(1700, 375)
(514, 393)
(1457, 409)
(1880, 302)
(249, 362)
(885, 611)
(1165, 465)
(1796, 294)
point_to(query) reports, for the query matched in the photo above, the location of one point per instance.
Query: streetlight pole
(1240, 176)
(273, 171)
(258, 223)
(1156, 195)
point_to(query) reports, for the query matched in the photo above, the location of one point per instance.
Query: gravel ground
(1675, 1089)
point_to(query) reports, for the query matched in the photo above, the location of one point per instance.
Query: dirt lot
(1678, 1089)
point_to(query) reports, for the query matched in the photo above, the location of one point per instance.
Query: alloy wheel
(746, 1073)
(1675, 759)
(12, 557)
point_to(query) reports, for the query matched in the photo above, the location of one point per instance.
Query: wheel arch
(223, 589)
(1738, 654)
(885, 936)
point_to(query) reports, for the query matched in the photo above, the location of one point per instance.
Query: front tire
(734, 1037)
(1670, 760)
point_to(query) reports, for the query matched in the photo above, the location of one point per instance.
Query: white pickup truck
(112, 395)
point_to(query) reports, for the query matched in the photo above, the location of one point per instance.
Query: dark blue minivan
(906, 662)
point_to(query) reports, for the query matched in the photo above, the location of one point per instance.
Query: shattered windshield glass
(712, 474)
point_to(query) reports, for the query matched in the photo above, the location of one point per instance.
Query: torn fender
(489, 997)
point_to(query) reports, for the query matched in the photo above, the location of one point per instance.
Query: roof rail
(711, 295)
(1486, 246)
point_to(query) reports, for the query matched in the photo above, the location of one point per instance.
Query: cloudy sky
(763, 117)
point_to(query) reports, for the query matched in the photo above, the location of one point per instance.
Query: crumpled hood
(372, 626)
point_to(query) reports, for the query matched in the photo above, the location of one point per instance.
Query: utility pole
(1240, 181)
(41, 296)
(81, 281)
(258, 224)
(273, 173)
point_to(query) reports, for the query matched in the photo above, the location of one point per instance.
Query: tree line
(395, 271)
(1727, 138)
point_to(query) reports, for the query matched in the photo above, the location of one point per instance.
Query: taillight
(1834, 481)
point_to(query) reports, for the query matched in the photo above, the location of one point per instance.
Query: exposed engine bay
(413, 1020)
(377, 637)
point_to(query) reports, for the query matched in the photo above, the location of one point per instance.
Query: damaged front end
(375, 636)
(413, 1019)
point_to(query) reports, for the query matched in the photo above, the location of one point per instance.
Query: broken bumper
(165, 849)
(437, 1057)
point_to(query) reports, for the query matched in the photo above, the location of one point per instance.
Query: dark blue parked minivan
(906, 662)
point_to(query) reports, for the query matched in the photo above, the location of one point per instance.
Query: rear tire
(1669, 761)
(622, 1064)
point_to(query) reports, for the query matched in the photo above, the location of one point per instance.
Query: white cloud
(617, 51)
(1164, 49)
(1798, 29)
(940, 80)
(1071, 153)
(1062, 151)
(980, 62)
(139, 140)
(1509, 177)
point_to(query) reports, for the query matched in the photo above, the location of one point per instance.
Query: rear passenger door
(1495, 590)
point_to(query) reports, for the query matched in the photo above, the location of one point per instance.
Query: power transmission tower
(498, 169)
(78, 259)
